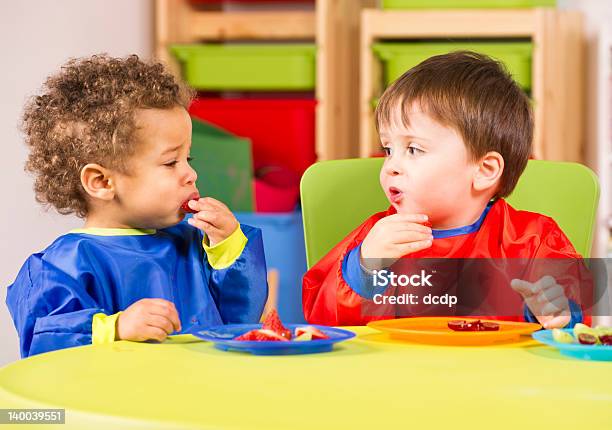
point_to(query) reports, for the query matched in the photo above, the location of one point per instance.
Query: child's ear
(490, 169)
(97, 182)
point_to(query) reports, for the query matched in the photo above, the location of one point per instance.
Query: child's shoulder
(85, 240)
(531, 230)
(524, 220)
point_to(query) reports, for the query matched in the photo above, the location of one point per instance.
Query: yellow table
(368, 382)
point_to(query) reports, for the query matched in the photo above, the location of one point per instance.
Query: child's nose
(392, 167)
(192, 175)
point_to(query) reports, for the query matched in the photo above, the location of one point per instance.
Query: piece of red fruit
(273, 322)
(606, 339)
(587, 339)
(261, 335)
(463, 325)
(472, 325)
(490, 326)
(457, 325)
(185, 206)
(249, 335)
(264, 334)
(315, 332)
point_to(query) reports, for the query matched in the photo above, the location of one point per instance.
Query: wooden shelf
(446, 23)
(252, 26)
(349, 77)
(333, 26)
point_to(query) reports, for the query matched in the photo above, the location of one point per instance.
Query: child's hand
(148, 319)
(393, 237)
(213, 218)
(546, 299)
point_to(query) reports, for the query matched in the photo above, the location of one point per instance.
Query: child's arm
(51, 310)
(555, 300)
(391, 238)
(332, 290)
(235, 253)
(546, 302)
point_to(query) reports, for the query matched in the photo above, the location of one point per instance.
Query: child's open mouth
(395, 195)
(185, 205)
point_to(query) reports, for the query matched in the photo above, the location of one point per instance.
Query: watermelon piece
(303, 337)
(314, 332)
(273, 322)
(261, 335)
(249, 335)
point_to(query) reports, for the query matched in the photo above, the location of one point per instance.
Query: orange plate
(435, 330)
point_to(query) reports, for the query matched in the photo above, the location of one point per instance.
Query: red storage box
(276, 189)
(282, 132)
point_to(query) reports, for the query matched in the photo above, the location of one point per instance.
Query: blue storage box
(283, 237)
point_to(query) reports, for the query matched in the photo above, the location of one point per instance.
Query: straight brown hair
(475, 95)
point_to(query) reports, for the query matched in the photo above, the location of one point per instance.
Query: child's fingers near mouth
(209, 216)
(190, 205)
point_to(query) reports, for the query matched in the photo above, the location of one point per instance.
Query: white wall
(598, 27)
(37, 37)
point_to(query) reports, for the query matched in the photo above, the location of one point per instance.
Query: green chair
(339, 195)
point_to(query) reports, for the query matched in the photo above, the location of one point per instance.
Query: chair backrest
(339, 195)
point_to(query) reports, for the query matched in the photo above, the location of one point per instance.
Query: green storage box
(224, 165)
(467, 4)
(398, 57)
(248, 67)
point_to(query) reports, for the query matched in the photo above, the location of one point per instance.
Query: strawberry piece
(315, 332)
(185, 207)
(273, 322)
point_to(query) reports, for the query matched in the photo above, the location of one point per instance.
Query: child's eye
(171, 163)
(387, 150)
(189, 159)
(413, 150)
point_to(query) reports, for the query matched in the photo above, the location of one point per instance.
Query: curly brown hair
(85, 114)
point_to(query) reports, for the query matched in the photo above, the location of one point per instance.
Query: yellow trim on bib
(226, 252)
(103, 328)
(96, 231)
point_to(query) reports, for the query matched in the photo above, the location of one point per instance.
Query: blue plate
(223, 338)
(575, 350)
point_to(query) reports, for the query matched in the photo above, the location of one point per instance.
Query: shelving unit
(557, 65)
(332, 24)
